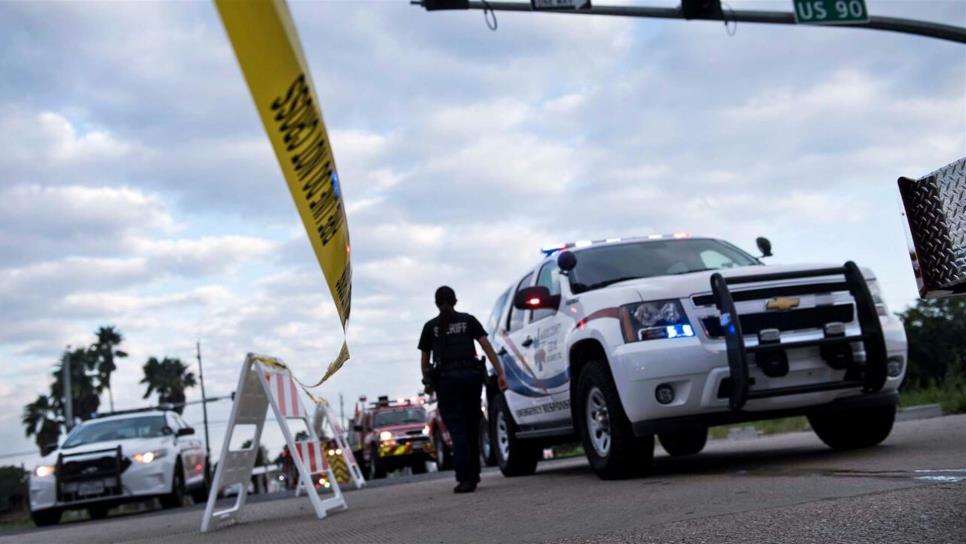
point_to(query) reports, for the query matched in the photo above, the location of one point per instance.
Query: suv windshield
(117, 429)
(601, 266)
(398, 417)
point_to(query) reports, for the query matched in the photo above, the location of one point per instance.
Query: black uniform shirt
(457, 344)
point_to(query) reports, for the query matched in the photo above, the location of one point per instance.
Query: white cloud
(202, 256)
(112, 211)
(67, 145)
(51, 139)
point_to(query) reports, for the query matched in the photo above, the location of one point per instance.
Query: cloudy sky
(137, 187)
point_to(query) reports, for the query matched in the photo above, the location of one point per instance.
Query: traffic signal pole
(704, 10)
(204, 412)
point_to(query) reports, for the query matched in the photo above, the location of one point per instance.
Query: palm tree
(40, 421)
(169, 378)
(104, 352)
(85, 393)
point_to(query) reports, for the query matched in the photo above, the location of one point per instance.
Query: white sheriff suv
(617, 341)
(110, 460)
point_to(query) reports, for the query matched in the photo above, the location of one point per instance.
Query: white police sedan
(121, 458)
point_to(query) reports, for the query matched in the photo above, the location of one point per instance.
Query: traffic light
(701, 9)
(435, 5)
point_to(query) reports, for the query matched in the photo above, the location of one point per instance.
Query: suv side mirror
(535, 298)
(764, 246)
(185, 431)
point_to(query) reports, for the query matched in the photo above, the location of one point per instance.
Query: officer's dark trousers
(458, 393)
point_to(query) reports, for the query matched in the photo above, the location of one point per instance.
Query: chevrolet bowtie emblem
(783, 303)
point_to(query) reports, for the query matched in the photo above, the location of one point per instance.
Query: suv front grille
(778, 291)
(805, 318)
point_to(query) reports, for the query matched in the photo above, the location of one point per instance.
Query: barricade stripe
(280, 391)
(296, 406)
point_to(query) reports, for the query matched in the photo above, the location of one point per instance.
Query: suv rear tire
(612, 449)
(856, 428)
(685, 442)
(515, 457)
(487, 454)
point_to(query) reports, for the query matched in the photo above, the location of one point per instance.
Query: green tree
(104, 352)
(41, 421)
(85, 391)
(169, 378)
(936, 330)
(90, 375)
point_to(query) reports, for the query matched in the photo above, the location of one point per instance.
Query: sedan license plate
(85, 489)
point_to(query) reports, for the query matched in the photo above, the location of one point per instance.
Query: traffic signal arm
(710, 10)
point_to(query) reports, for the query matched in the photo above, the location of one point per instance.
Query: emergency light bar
(553, 248)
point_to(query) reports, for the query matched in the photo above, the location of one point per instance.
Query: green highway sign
(830, 12)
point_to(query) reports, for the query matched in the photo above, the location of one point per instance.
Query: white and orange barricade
(265, 382)
(319, 470)
(323, 419)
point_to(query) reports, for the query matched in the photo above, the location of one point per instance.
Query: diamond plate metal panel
(935, 209)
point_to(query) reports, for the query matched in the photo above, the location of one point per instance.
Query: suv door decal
(526, 382)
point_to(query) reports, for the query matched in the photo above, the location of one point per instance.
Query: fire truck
(391, 435)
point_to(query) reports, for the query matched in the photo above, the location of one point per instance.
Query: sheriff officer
(457, 377)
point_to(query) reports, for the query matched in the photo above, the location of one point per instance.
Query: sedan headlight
(44, 470)
(654, 320)
(426, 430)
(385, 435)
(146, 457)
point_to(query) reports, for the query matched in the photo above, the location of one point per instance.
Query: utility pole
(68, 398)
(341, 412)
(711, 10)
(204, 410)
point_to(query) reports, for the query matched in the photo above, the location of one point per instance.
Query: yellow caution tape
(278, 364)
(270, 54)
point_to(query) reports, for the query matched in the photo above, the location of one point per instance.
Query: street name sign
(830, 12)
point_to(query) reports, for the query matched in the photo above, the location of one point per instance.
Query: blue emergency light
(553, 248)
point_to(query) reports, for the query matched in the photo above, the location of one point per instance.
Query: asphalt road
(787, 488)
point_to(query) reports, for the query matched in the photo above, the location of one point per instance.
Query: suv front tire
(612, 449)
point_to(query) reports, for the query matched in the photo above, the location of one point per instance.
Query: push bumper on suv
(720, 377)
